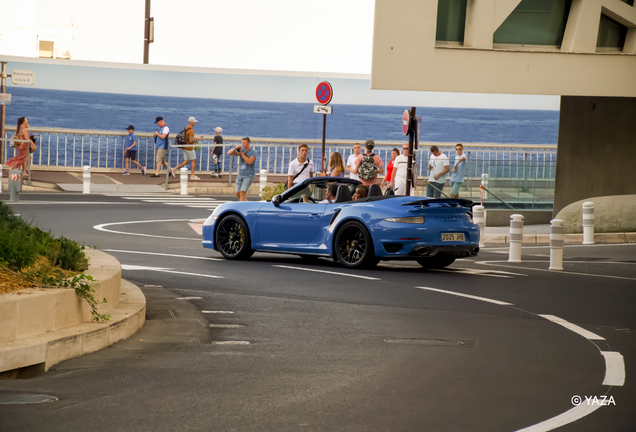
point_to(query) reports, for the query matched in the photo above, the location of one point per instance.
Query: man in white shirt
(439, 166)
(301, 168)
(351, 161)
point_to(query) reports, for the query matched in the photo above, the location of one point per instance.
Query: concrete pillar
(479, 217)
(484, 183)
(15, 185)
(184, 180)
(516, 237)
(557, 240)
(86, 177)
(588, 223)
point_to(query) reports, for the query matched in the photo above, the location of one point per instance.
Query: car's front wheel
(436, 262)
(233, 238)
(353, 246)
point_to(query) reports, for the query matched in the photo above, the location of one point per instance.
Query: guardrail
(75, 148)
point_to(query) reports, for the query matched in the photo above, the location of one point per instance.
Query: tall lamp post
(149, 32)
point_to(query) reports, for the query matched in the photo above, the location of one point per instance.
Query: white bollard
(484, 183)
(516, 237)
(557, 240)
(588, 223)
(479, 217)
(263, 181)
(184, 180)
(86, 177)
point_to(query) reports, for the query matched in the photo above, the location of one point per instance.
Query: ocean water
(114, 112)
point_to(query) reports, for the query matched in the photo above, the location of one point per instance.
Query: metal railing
(74, 148)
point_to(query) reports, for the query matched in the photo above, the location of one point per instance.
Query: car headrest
(343, 194)
(375, 190)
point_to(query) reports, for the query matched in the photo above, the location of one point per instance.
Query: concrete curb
(44, 326)
(600, 238)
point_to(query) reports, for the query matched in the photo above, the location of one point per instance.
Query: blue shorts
(455, 187)
(131, 154)
(243, 183)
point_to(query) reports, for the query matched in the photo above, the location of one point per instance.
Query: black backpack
(367, 169)
(180, 138)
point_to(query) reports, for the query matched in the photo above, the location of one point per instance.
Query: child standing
(130, 142)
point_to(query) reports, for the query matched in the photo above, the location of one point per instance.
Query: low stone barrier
(43, 326)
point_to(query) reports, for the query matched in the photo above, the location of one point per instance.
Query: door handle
(314, 215)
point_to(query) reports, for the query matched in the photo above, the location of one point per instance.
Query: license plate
(453, 237)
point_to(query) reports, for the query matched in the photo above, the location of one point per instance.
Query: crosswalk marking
(174, 200)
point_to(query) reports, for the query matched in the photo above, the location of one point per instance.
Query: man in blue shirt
(247, 157)
(130, 154)
(458, 171)
(161, 143)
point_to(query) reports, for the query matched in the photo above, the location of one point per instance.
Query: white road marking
(328, 272)
(496, 263)
(231, 343)
(614, 368)
(467, 296)
(70, 202)
(567, 246)
(164, 254)
(569, 416)
(227, 326)
(491, 273)
(102, 227)
(167, 270)
(189, 298)
(573, 327)
(217, 312)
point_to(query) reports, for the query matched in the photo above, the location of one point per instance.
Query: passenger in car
(362, 191)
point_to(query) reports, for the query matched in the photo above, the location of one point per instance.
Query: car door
(290, 225)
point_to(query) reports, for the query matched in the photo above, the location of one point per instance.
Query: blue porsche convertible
(360, 233)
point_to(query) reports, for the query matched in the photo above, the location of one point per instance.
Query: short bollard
(588, 223)
(484, 183)
(184, 180)
(479, 217)
(87, 180)
(516, 237)
(263, 181)
(557, 240)
(15, 185)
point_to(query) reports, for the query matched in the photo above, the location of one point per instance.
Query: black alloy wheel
(354, 247)
(233, 238)
(436, 262)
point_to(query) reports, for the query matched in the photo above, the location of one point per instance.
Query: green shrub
(19, 247)
(270, 192)
(67, 254)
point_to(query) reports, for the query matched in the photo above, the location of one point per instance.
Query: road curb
(44, 326)
(599, 238)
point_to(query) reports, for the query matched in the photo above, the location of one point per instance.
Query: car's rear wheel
(233, 238)
(354, 247)
(436, 262)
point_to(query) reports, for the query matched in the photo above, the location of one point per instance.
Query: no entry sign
(324, 93)
(406, 117)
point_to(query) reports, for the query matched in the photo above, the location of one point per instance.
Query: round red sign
(405, 122)
(324, 92)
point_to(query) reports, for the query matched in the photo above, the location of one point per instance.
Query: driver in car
(330, 195)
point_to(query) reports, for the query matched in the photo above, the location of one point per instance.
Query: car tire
(232, 238)
(436, 262)
(353, 246)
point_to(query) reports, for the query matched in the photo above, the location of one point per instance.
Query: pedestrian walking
(351, 161)
(20, 160)
(247, 159)
(368, 165)
(459, 171)
(438, 166)
(217, 151)
(130, 154)
(162, 144)
(189, 155)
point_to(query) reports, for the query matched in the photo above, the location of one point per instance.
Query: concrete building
(583, 50)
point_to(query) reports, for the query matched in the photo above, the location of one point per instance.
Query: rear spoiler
(451, 202)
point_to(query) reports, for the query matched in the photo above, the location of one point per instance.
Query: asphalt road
(277, 343)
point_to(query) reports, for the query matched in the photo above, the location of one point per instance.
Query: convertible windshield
(315, 192)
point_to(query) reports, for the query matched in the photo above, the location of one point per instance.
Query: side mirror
(276, 200)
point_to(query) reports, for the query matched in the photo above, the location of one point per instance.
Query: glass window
(451, 20)
(611, 34)
(535, 22)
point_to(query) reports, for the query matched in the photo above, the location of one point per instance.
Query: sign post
(324, 94)
(18, 77)
(410, 128)
(3, 85)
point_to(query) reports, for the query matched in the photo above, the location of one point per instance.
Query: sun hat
(218, 129)
(192, 120)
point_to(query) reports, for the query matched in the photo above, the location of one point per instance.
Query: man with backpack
(186, 136)
(368, 165)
